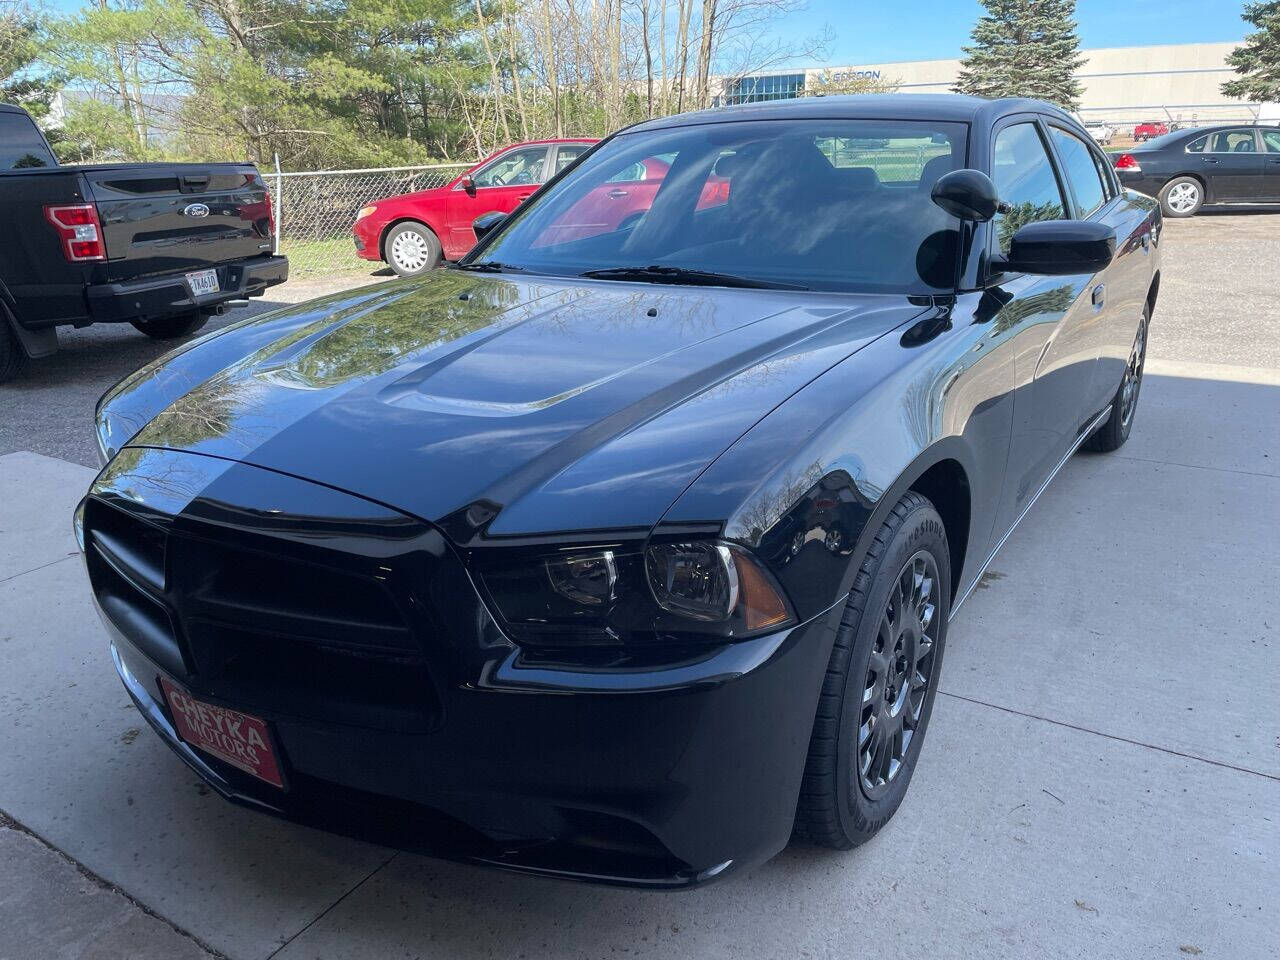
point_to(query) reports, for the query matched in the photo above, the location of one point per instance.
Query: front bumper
(661, 789)
(152, 297)
(664, 774)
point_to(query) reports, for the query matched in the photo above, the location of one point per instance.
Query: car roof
(1193, 133)
(539, 143)
(11, 108)
(952, 107)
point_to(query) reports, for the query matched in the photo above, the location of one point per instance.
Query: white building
(1122, 85)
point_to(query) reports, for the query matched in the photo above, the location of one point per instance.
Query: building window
(776, 86)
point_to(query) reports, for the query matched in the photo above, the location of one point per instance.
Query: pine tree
(1258, 59)
(1024, 48)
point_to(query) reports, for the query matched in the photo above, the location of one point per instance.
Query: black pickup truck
(159, 245)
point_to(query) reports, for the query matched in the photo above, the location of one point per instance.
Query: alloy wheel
(1183, 197)
(898, 675)
(1133, 376)
(409, 251)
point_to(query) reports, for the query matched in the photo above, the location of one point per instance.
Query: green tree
(1257, 60)
(1024, 48)
(22, 78)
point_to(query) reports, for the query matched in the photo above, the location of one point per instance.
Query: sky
(882, 31)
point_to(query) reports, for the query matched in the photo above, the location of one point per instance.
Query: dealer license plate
(239, 739)
(202, 282)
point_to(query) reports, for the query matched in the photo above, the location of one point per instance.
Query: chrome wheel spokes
(1183, 197)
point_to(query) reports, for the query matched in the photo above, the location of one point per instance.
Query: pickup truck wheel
(12, 357)
(170, 328)
(412, 249)
(878, 692)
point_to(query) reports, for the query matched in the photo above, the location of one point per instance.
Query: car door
(1270, 164)
(502, 184)
(1050, 320)
(565, 154)
(1233, 165)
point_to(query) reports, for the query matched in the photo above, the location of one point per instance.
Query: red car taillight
(271, 215)
(1127, 161)
(81, 233)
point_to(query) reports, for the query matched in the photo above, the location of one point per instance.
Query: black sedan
(622, 553)
(1189, 168)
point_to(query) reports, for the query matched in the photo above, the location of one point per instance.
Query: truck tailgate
(165, 218)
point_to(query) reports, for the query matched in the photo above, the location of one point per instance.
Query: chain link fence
(315, 210)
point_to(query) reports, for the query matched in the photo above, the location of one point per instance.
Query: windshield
(814, 204)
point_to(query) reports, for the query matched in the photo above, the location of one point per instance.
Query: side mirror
(1059, 248)
(468, 185)
(487, 223)
(967, 195)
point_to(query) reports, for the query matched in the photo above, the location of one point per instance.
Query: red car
(414, 231)
(1152, 128)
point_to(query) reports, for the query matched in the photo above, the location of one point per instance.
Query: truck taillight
(1127, 161)
(271, 215)
(81, 233)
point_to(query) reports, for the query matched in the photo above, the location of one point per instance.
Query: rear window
(21, 145)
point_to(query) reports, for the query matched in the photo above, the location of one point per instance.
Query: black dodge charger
(625, 550)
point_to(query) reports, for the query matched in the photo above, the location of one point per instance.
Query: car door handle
(1276, 160)
(617, 193)
(1210, 159)
(1099, 295)
(523, 197)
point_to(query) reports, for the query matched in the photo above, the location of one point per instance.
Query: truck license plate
(202, 282)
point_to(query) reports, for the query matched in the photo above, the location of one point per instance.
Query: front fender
(809, 487)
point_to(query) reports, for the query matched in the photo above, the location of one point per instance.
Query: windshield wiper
(656, 273)
(489, 266)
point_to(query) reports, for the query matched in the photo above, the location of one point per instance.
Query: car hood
(540, 405)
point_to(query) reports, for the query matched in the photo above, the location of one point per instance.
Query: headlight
(614, 593)
(364, 212)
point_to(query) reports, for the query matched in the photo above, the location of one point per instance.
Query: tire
(844, 801)
(1182, 197)
(1124, 405)
(13, 359)
(411, 249)
(170, 328)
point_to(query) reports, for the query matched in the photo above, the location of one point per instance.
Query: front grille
(265, 623)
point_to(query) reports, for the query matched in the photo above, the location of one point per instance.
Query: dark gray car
(1189, 168)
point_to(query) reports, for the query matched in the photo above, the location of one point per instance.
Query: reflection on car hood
(561, 405)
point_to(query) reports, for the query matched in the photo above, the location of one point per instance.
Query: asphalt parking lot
(1102, 777)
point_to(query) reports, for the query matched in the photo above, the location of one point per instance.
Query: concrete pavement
(1102, 776)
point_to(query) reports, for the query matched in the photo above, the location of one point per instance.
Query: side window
(629, 174)
(21, 144)
(1024, 179)
(1232, 141)
(513, 168)
(1271, 139)
(569, 152)
(1197, 145)
(1080, 170)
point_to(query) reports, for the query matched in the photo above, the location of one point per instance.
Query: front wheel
(878, 693)
(170, 328)
(412, 249)
(1182, 197)
(1112, 434)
